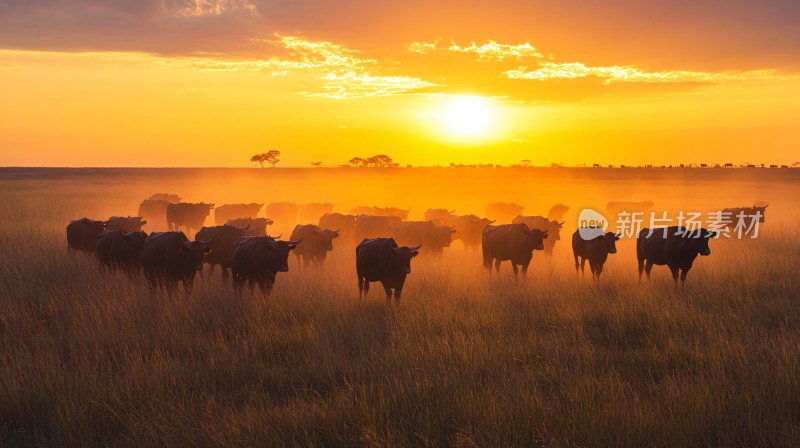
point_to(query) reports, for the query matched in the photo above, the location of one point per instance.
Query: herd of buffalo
(385, 241)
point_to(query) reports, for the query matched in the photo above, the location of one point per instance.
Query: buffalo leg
(515, 269)
(674, 270)
(647, 268)
(496, 266)
(684, 271)
(388, 291)
(583, 265)
(397, 292)
(525, 271)
(360, 287)
(577, 265)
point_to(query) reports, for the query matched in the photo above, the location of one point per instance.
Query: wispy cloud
(200, 8)
(492, 51)
(611, 74)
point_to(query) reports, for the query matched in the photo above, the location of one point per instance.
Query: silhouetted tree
(356, 162)
(380, 161)
(270, 157)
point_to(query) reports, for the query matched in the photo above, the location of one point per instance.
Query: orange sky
(210, 82)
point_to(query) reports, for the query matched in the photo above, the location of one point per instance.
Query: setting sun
(467, 117)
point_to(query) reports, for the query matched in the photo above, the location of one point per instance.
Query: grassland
(91, 359)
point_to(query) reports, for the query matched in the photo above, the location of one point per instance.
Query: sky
(212, 82)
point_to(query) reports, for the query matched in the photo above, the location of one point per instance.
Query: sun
(467, 117)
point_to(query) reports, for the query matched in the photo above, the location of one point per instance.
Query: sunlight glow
(467, 117)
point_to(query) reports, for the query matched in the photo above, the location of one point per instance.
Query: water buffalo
(284, 214)
(258, 259)
(221, 240)
(128, 224)
(432, 237)
(557, 212)
(155, 211)
(169, 257)
(381, 211)
(310, 213)
(188, 215)
(82, 234)
(744, 217)
(121, 249)
(317, 243)
(590, 243)
(553, 229)
(503, 212)
(368, 226)
(381, 260)
(439, 216)
(226, 212)
(512, 242)
(252, 226)
(469, 229)
(345, 223)
(672, 246)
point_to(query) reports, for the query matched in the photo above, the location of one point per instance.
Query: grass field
(92, 359)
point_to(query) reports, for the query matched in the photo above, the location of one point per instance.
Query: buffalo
(673, 246)
(432, 237)
(382, 260)
(226, 212)
(469, 229)
(744, 217)
(155, 211)
(252, 226)
(590, 243)
(169, 257)
(283, 213)
(120, 249)
(439, 216)
(317, 243)
(512, 242)
(310, 213)
(258, 259)
(553, 229)
(368, 226)
(82, 234)
(128, 224)
(188, 215)
(346, 224)
(557, 212)
(503, 212)
(221, 240)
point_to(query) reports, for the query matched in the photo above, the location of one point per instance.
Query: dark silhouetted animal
(169, 257)
(381, 211)
(226, 212)
(381, 260)
(82, 234)
(128, 224)
(252, 226)
(188, 215)
(552, 228)
(469, 229)
(557, 212)
(672, 246)
(503, 212)
(221, 240)
(317, 243)
(120, 249)
(310, 213)
(432, 237)
(594, 246)
(375, 226)
(258, 259)
(511, 242)
(345, 223)
(155, 212)
(439, 216)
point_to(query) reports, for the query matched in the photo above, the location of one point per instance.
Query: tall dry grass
(92, 359)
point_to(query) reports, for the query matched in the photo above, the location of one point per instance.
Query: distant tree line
(376, 161)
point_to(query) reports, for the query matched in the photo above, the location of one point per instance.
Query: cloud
(492, 51)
